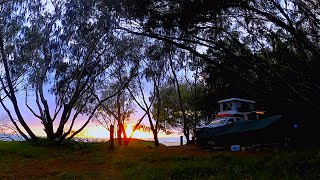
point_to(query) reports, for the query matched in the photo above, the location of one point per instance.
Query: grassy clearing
(294, 165)
(141, 161)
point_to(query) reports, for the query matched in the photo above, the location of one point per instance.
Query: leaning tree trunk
(120, 125)
(135, 128)
(153, 130)
(123, 131)
(186, 130)
(195, 103)
(11, 92)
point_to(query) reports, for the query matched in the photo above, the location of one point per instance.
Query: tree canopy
(263, 50)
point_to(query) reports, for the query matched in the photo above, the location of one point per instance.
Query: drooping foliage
(69, 48)
(171, 114)
(262, 50)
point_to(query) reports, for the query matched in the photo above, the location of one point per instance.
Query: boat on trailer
(237, 122)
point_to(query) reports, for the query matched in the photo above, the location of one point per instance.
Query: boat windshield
(218, 121)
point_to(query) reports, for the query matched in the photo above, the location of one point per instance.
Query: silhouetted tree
(64, 48)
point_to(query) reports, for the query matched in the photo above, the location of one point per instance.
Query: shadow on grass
(294, 165)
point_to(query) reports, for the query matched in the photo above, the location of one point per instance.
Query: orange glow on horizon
(98, 131)
(137, 133)
(101, 132)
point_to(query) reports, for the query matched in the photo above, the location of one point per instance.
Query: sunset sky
(93, 129)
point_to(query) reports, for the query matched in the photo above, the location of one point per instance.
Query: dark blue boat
(238, 123)
(240, 132)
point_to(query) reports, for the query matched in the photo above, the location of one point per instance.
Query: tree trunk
(154, 131)
(59, 132)
(111, 137)
(125, 139)
(156, 140)
(119, 135)
(49, 131)
(135, 128)
(11, 93)
(186, 133)
(120, 125)
(185, 120)
(195, 103)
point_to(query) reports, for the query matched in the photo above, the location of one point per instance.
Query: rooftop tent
(236, 99)
(235, 105)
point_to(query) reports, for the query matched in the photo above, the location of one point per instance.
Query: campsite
(159, 89)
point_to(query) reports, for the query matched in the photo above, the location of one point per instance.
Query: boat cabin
(238, 108)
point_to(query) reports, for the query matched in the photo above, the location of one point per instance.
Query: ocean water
(168, 141)
(10, 137)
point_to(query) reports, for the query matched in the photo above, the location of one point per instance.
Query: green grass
(140, 161)
(227, 167)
